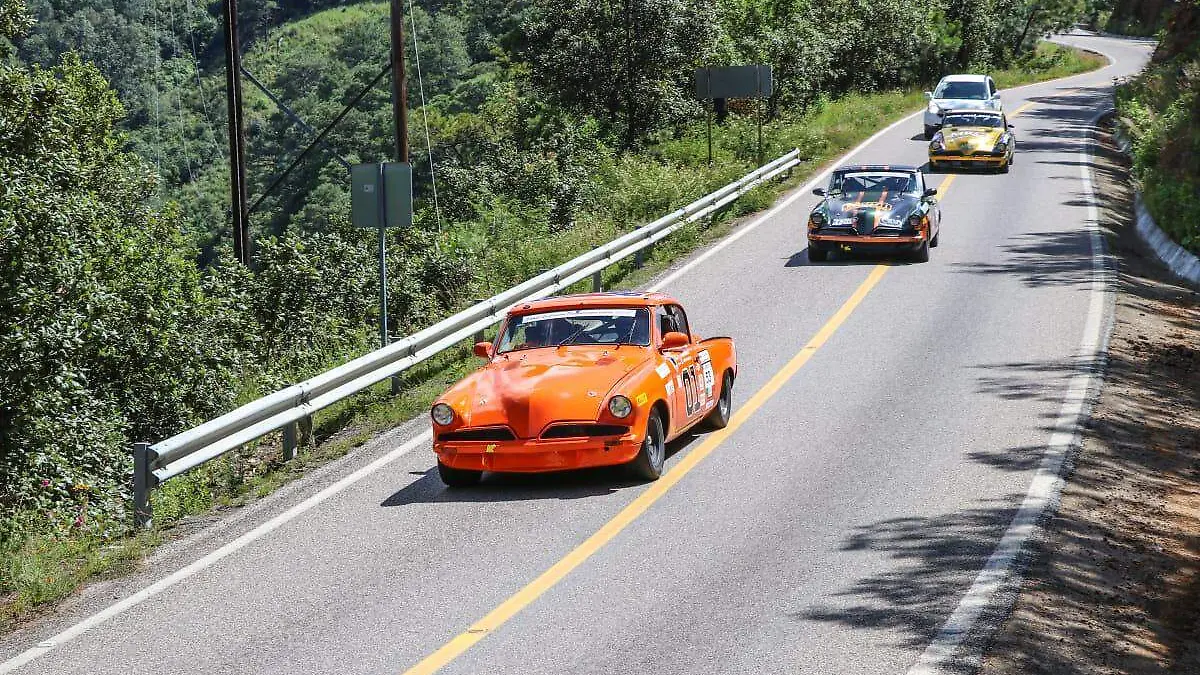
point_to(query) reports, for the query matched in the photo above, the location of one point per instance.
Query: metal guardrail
(291, 409)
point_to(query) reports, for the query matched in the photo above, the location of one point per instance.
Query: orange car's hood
(532, 388)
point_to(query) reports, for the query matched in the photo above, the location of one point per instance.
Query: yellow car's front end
(974, 139)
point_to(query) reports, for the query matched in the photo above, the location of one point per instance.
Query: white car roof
(965, 78)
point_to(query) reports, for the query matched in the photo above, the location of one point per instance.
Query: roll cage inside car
(871, 179)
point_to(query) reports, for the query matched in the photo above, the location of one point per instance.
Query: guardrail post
(290, 433)
(637, 258)
(142, 516)
(304, 428)
(597, 281)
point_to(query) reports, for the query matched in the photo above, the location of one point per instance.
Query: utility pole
(399, 83)
(400, 120)
(237, 139)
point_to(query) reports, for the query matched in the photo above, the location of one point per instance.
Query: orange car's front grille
(584, 430)
(478, 434)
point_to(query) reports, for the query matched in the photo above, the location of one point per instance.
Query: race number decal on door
(706, 367)
(690, 383)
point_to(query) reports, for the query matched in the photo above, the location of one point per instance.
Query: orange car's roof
(619, 299)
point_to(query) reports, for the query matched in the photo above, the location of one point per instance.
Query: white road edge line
(1046, 487)
(212, 558)
(274, 524)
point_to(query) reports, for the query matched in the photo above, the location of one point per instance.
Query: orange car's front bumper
(538, 455)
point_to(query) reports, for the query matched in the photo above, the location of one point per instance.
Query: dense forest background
(552, 125)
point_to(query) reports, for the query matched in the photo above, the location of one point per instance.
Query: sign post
(718, 83)
(381, 197)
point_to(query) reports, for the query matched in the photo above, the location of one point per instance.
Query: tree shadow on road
(1115, 587)
(935, 559)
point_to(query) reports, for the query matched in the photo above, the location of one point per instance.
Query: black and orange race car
(582, 381)
(875, 208)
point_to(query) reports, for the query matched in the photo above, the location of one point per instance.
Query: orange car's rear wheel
(653, 454)
(458, 477)
(719, 417)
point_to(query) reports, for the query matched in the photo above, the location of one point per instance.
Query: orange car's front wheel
(653, 454)
(458, 477)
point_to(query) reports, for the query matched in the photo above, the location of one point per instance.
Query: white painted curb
(1179, 260)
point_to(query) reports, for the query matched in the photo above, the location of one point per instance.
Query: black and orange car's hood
(527, 390)
(866, 213)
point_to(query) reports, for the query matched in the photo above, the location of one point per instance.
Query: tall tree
(628, 61)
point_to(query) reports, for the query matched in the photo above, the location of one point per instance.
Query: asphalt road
(832, 532)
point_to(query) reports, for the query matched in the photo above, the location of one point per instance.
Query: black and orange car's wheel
(817, 255)
(921, 255)
(719, 417)
(937, 239)
(653, 454)
(458, 478)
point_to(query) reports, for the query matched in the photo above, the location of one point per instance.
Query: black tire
(1004, 169)
(929, 132)
(921, 255)
(816, 254)
(458, 478)
(719, 417)
(934, 166)
(933, 243)
(648, 465)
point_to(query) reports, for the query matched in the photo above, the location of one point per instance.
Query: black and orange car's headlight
(620, 407)
(442, 414)
(914, 221)
(816, 219)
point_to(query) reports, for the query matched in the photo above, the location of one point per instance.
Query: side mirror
(674, 340)
(820, 192)
(929, 192)
(483, 350)
(929, 95)
(1011, 127)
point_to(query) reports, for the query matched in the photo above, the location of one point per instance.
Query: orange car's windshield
(592, 326)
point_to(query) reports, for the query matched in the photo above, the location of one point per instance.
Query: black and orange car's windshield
(872, 186)
(591, 326)
(972, 120)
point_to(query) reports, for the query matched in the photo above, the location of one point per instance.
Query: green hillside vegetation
(124, 318)
(1160, 110)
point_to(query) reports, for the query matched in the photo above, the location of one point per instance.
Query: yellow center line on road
(1022, 109)
(559, 570)
(945, 185)
(547, 580)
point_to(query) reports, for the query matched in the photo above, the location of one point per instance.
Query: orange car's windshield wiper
(571, 337)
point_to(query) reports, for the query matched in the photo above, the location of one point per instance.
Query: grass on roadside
(45, 568)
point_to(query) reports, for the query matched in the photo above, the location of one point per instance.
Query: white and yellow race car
(973, 138)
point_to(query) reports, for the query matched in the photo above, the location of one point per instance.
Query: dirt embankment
(1115, 588)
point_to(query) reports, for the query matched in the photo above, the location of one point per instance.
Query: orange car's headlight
(442, 414)
(620, 406)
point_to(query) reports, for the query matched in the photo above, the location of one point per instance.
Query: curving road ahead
(835, 530)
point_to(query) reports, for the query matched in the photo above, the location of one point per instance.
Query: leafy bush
(1160, 109)
(103, 337)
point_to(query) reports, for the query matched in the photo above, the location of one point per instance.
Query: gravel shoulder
(1114, 587)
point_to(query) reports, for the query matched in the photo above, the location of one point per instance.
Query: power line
(437, 212)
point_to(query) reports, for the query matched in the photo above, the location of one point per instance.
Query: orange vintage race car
(583, 381)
